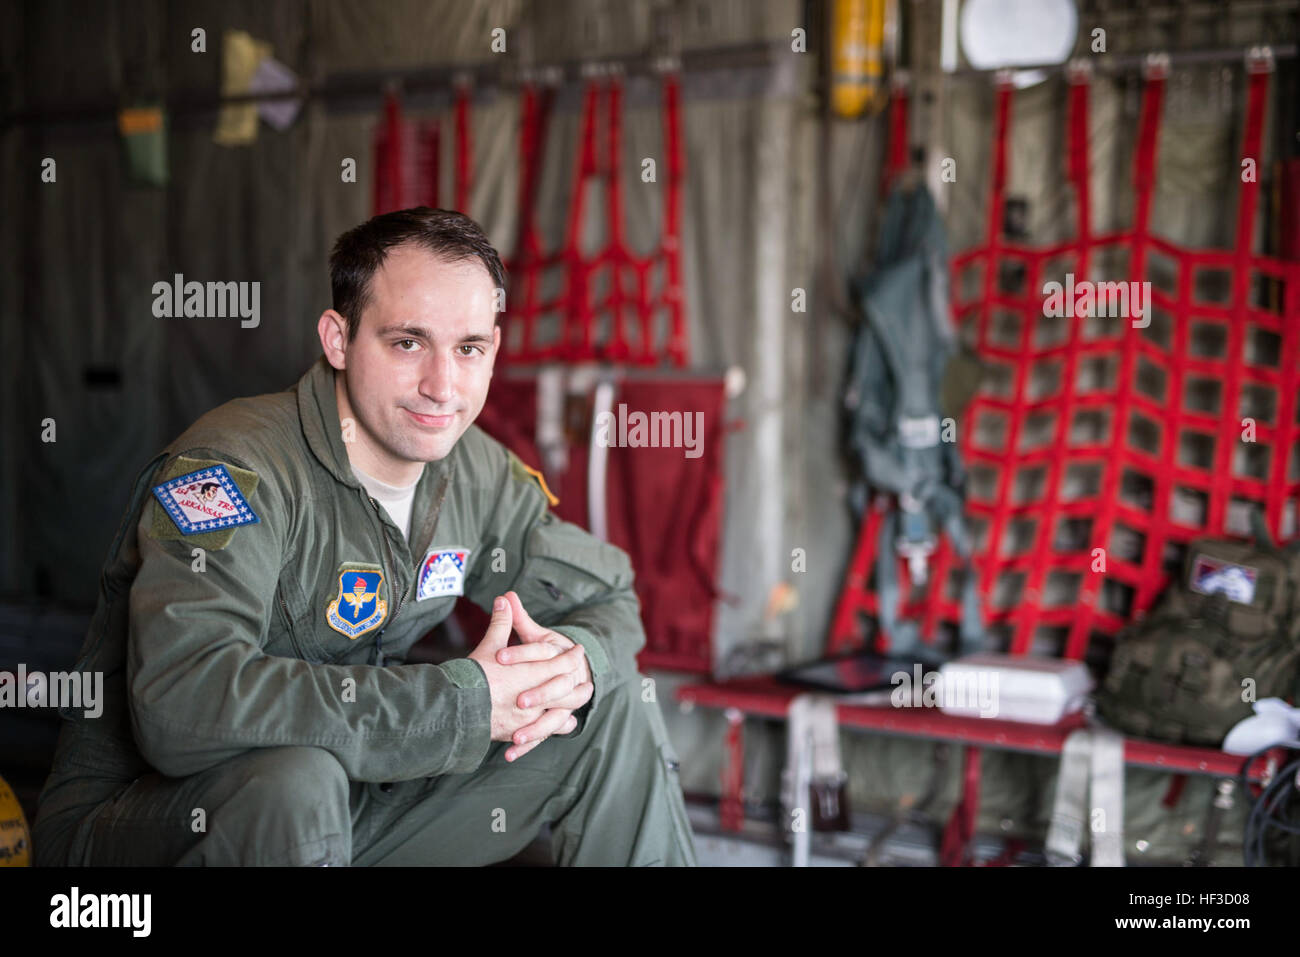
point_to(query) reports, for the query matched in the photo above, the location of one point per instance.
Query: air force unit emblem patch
(357, 608)
(443, 573)
(207, 500)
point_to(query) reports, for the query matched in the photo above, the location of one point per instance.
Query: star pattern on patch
(204, 500)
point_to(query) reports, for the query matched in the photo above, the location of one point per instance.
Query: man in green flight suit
(257, 707)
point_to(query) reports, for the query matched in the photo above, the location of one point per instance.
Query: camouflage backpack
(1184, 673)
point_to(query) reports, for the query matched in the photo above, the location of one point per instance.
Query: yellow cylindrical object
(15, 838)
(857, 56)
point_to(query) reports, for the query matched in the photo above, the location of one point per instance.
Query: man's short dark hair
(358, 253)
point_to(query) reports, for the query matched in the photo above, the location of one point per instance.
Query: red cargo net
(639, 319)
(612, 304)
(1152, 411)
(407, 157)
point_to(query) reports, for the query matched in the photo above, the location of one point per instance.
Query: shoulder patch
(203, 501)
(525, 473)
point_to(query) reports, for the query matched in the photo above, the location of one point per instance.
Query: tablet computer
(856, 673)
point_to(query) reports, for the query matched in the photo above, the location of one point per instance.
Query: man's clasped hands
(537, 685)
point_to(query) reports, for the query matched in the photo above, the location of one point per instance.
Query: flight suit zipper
(288, 625)
(388, 549)
(437, 508)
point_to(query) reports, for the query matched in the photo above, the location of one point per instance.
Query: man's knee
(278, 806)
(630, 810)
(622, 702)
(629, 713)
(52, 839)
(628, 727)
(284, 777)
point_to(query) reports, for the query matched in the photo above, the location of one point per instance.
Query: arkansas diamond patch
(204, 501)
(443, 573)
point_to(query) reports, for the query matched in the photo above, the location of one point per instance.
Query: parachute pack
(1223, 635)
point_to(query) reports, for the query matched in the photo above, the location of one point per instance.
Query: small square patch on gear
(1211, 576)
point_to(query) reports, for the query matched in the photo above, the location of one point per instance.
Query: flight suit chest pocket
(289, 633)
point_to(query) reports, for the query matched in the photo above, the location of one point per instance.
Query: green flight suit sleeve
(567, 580)
(202, 690)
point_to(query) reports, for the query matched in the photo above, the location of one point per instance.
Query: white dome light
(1013, 33)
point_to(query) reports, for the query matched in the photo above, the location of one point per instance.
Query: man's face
(418, 372)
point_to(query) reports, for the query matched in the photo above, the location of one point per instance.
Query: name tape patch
(442, 573)
(204, 501)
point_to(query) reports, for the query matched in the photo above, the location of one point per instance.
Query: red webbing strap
(1149, 576)
(1144, 159)
(1222, 481)
(855, 597)
(988, 295)
(1118, 454)
(1030, 612)
(671, 245)
(1174, 792)
(896, 158)
(1286, 436)
(430, 157)
(617, 255)
(942, 561)
(387, 159)
(732, 809)
(1080, 174)
(464, 150)
(528, 259)
(578, 312)
(955, 848)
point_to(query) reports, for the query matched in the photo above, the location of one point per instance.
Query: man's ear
(496, 346)
(333, 331)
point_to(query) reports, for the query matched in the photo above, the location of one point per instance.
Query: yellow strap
(541, 480)
(139, 120)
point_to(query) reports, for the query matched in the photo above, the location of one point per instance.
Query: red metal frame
(766, 698)
(732, 808)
